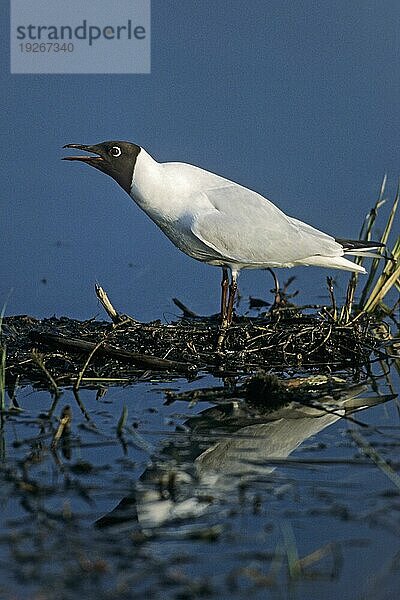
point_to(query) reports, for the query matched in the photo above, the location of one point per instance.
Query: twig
(142, 360)
(82, 406)
(332, 297)
(115, 316)
(92, 353)
(122, 420)
(38, 359)
(186, 311)
(85, 366)
(64, 425)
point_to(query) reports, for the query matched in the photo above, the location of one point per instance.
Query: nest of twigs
(64, 351)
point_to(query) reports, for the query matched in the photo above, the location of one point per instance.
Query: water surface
(200, 499)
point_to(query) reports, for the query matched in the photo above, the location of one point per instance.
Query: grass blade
(383, 240)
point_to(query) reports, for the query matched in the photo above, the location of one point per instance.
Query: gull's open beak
(94, 161)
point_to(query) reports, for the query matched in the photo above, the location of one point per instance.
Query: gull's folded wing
(247, 228)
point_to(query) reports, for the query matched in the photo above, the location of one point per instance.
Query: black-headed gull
(217, 221)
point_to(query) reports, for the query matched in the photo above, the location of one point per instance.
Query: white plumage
(217, 221)
(223, 223)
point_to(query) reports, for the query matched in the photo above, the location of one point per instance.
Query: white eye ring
(115, 151)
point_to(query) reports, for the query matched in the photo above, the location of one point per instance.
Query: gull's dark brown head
(116, 159)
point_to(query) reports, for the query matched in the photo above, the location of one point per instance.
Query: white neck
(159, 189)
(146, 180)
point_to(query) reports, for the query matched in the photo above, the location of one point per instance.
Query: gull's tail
(353, 247)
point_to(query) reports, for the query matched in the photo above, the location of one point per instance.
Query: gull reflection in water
(222, 448)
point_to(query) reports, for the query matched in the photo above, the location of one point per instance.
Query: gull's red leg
(224, 294)
(231, 299)
(277, 299)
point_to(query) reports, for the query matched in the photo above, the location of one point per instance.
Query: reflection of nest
(287, 339)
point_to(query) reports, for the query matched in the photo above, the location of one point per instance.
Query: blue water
(297, 101)
(244, 498)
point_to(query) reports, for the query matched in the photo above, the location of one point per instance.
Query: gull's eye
(115, 151)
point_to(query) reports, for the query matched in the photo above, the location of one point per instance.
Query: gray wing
(245, 227)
